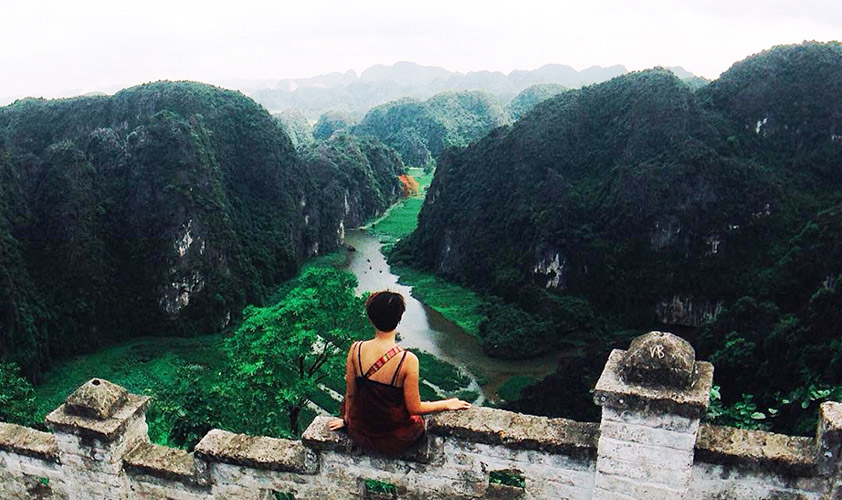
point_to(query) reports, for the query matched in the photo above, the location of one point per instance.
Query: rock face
(686, 311)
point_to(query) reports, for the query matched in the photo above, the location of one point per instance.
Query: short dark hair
(385, 310)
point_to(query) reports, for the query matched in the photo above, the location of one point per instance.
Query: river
(425, 329)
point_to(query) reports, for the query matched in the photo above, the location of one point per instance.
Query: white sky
(66, 47)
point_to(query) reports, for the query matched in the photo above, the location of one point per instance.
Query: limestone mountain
(163, 209)
(420, 131)
(530, 97)
(641, 201)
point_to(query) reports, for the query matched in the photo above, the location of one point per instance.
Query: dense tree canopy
(420, 131)
(650, 202)
(163, 209)
(282, 352)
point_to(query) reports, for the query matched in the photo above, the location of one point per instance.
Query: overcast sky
(67, 47)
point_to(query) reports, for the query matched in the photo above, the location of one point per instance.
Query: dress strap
(359, 356)
(398, 369)
(383, 360)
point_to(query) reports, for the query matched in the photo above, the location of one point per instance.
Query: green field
(511, 389)
(458, 304)
(143, 366)
(402, 218)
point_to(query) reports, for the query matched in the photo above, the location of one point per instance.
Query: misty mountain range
(355, 94)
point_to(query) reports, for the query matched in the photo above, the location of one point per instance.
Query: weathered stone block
(647, 456)
(792, 455)
(634, 488)
(601, 494)
(96, 398)
(259, 452)
(665, 421)
(107, 430)
(647, 435)
(613, 391)
(26, 441)
(517, 431)
(634, 470)
(161, 462)
(147, 487)
(660, 359)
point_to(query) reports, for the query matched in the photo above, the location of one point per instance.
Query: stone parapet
(648, 445)
(162, 462)
(613, 391)
(28, 442)
(518, 431)
(260, 452)
(789, 455)
(107, 429)
(653, 397)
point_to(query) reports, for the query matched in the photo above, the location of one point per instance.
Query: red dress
(379, 419)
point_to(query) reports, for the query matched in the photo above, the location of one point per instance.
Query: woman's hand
(456, 404)
(335, 424)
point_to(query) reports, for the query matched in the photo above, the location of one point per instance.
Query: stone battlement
(649, 444)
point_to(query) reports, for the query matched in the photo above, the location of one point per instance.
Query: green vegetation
(512, 388)
(233, 383)
(17, 398)
(402, 218)
(162, 210)
(420, 131)
(508, 478)
(439, 373)
(296, 127)
(640, 201)
(330, 122)
(377, 486)
(530, 97)
(212, 381)
(361, 174)
(458, 304)
(281, 353)
(178, 373)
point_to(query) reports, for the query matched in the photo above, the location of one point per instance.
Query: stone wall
(649, 445)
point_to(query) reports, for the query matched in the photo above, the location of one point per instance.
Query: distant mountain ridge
(380, 84)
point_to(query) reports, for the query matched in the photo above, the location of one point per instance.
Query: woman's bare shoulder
(411, 357)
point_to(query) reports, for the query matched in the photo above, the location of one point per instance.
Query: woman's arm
(413, 398)
(350, 389)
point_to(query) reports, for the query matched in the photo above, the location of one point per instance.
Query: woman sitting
(382, 406)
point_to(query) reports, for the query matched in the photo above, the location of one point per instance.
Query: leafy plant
(508, 478)
(377, 486)
(281, 353)
(17, 398)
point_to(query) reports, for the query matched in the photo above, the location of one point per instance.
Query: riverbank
(456, 303)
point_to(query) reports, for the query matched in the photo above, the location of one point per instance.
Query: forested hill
(162, 209)
(420, 131)
(640, 201)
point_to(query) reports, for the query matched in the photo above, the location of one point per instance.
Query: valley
(178, 239)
